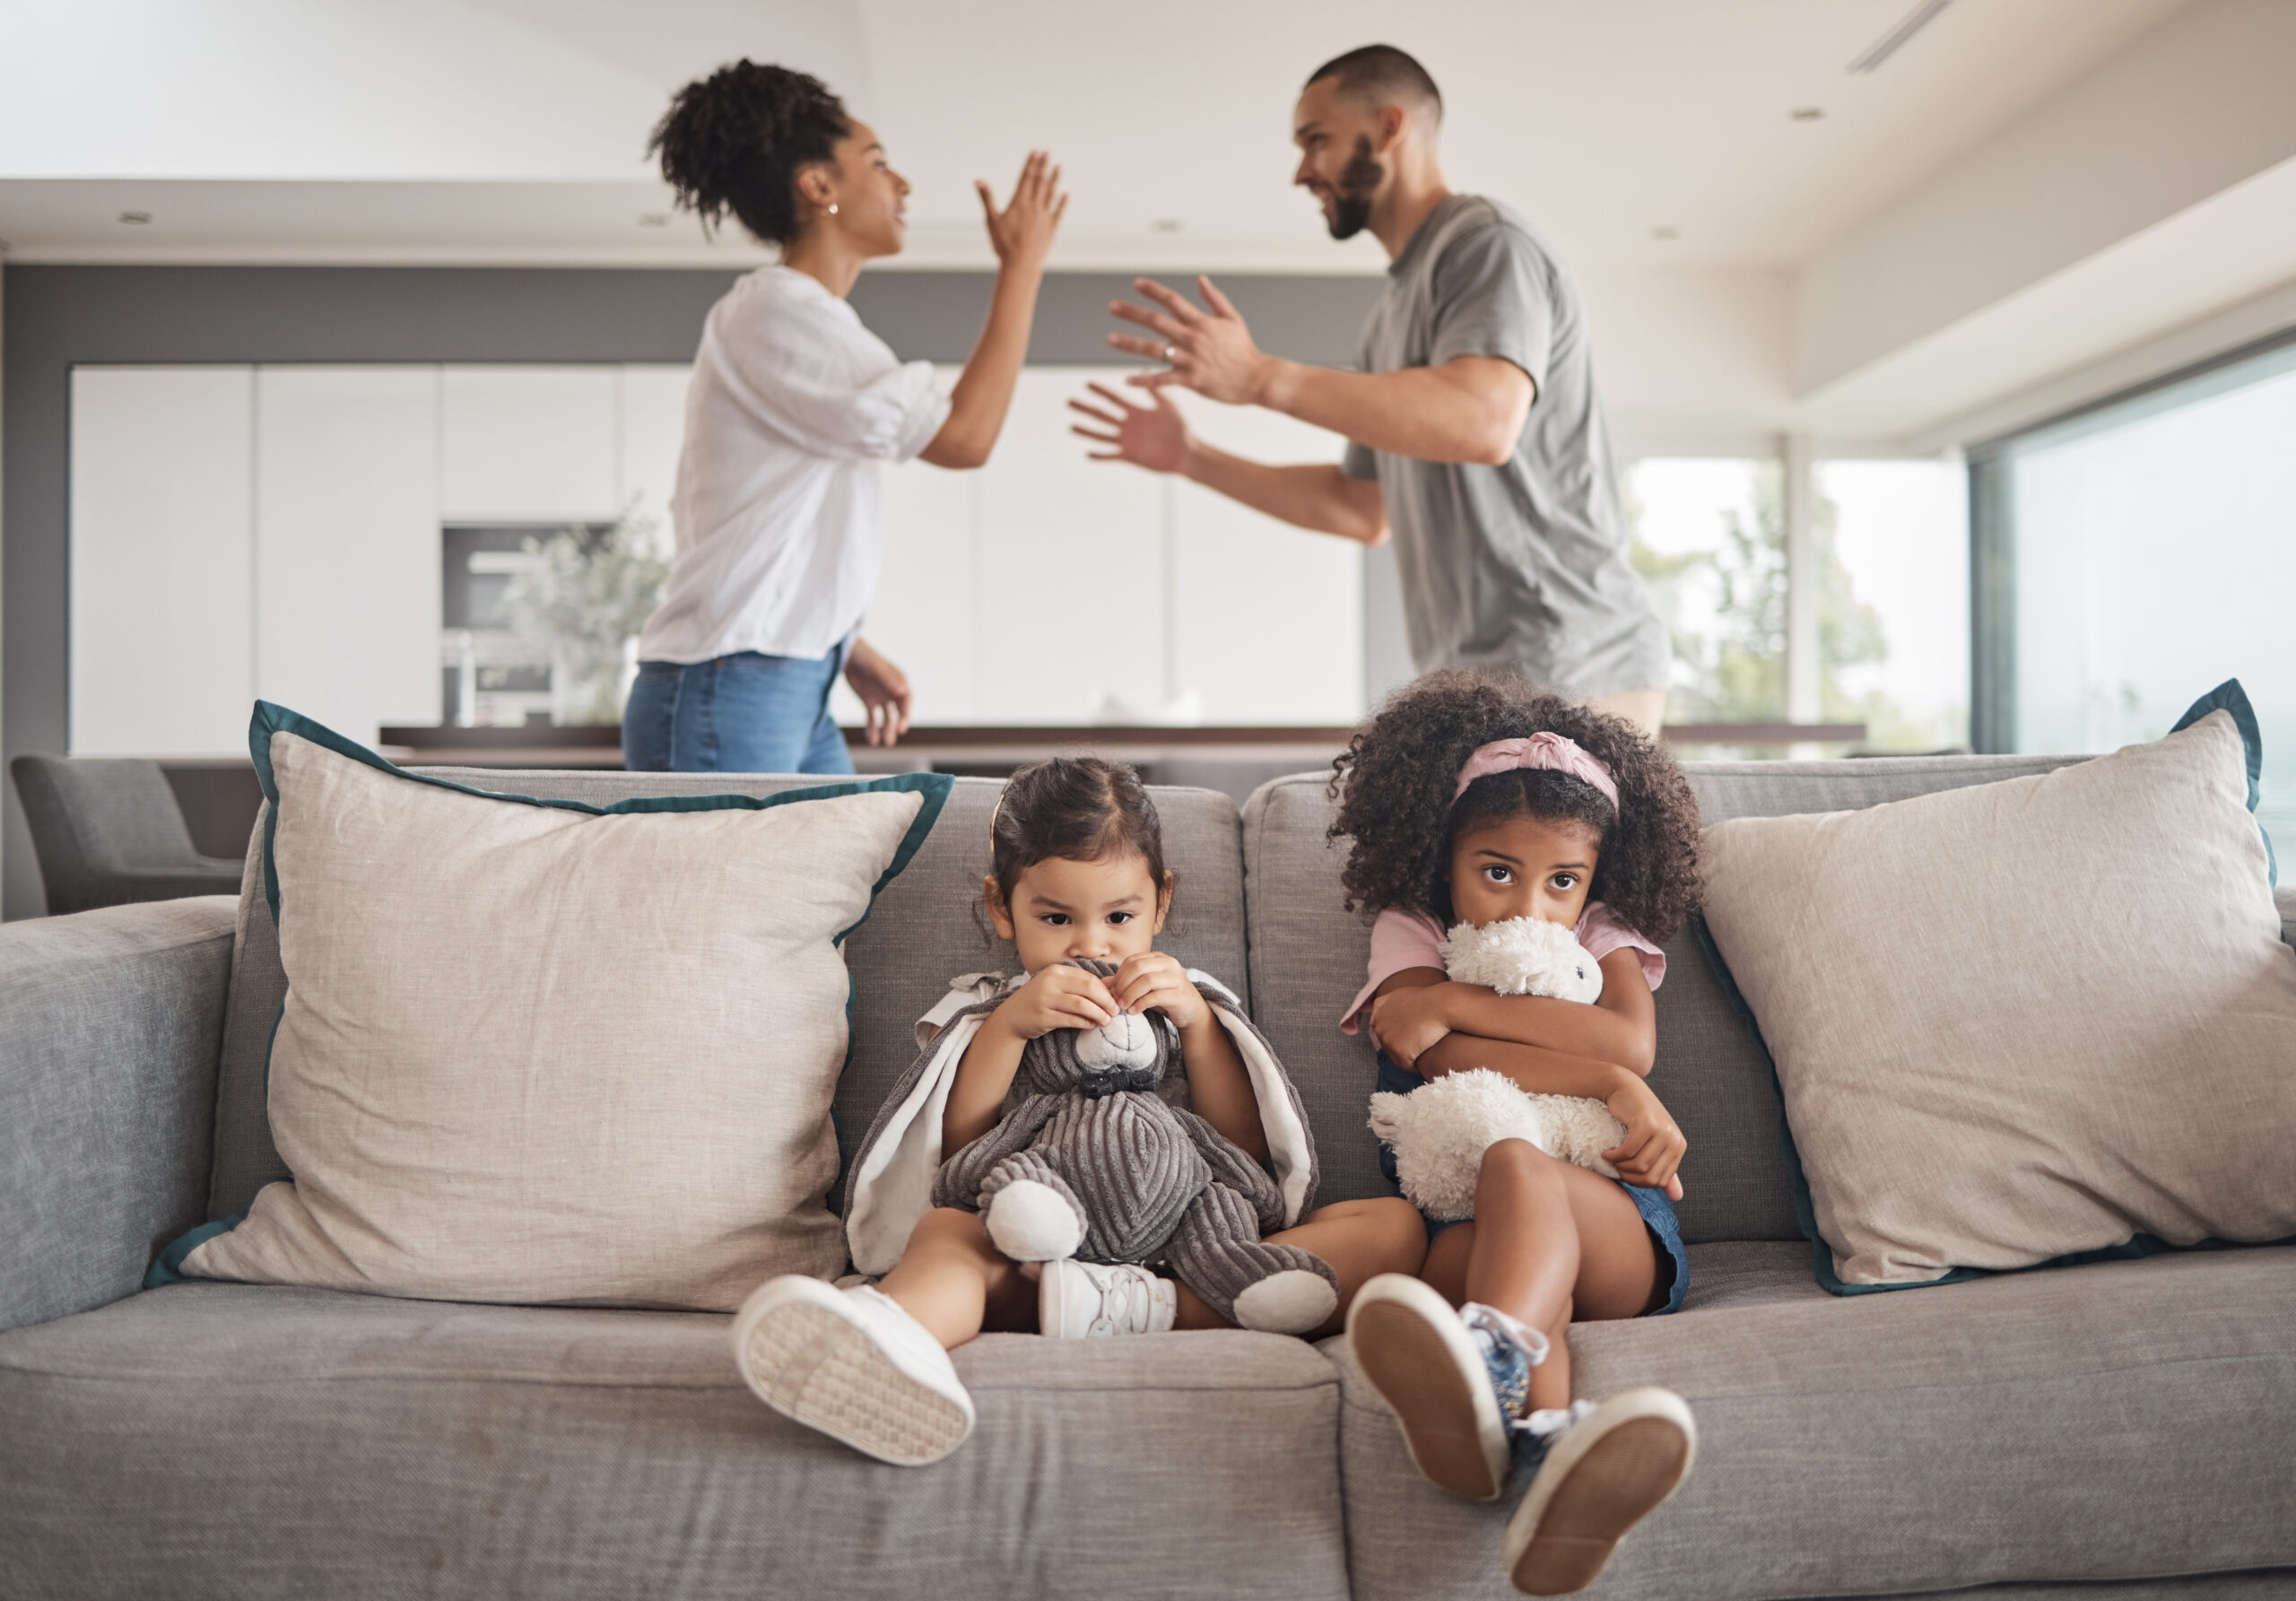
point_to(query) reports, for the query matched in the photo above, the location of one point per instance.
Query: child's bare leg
(955, 1282)
(1360, 1238)
(1551, 1241)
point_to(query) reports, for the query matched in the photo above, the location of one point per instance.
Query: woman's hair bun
(736, 139)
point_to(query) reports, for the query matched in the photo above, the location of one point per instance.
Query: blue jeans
(745, 713)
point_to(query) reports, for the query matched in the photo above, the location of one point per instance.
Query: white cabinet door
(163, 461)
(1267, 618)
(530, 444)
(347, 562)
(1071, 602)
(653, 430)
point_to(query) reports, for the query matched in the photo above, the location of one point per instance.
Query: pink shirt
(1402, 940)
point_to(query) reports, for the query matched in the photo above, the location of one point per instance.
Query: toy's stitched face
(1523, 867)
(1127, 1043)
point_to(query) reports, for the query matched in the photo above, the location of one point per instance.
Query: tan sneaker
(1433, 1374)
(1603, 1472)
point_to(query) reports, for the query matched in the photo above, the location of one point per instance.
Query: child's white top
(1403, 940)
(792, 407)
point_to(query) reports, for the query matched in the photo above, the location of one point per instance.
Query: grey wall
(58, 317)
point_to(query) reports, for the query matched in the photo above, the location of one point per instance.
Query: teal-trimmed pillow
(1970, 999)
(547, 1052)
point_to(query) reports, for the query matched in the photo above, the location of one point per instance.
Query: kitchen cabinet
(161, 501)
(530, 444)
(347, 569)
(1268, 619)
(652, 429)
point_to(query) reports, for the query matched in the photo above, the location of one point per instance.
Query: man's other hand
(1154, 436)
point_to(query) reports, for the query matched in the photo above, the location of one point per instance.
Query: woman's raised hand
(1021, 233)
(1152, 436)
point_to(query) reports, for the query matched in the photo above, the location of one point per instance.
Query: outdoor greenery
(586, 597)
(1732, 670)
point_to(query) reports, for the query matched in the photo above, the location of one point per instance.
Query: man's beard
(1351, 196)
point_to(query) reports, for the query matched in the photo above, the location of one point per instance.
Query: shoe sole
(1417, 1354)
(811, 1364)
(1585, 1499)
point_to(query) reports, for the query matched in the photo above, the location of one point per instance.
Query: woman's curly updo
(735, 140)
(1395, 779)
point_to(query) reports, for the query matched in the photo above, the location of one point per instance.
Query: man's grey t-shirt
(1522, 566)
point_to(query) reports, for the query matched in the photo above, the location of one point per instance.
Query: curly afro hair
(1395, 779)
(735, 139)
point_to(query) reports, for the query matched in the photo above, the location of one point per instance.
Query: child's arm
(1219, 1089)
(1653, 1146)
(1058, 997)
(1622, 1027)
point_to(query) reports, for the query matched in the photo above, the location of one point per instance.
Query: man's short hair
(1383, 75)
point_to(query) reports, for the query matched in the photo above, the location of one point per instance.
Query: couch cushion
(922, 933)
(2027, 1019)
(241, 1441)
(554, 1052)
(2110, 1422)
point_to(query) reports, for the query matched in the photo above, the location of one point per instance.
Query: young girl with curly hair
(1474, 800)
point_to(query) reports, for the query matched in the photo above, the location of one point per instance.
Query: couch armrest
(111, 1023)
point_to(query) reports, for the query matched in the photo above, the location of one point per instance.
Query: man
(1475, 434)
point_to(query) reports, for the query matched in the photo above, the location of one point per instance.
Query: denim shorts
(1657, 1211)
(745, 713)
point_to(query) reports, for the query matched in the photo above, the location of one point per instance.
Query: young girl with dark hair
(1474, 800)
(1077, 873)
(792, 406)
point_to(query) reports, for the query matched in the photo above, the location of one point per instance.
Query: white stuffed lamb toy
(1441, 1131)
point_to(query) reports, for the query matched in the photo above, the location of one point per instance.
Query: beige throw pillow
(541, 1053)
(2023, 1019)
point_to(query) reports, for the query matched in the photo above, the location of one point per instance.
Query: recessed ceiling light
(653, 219)
(1806, 113)
(138, 218)
(1665, 231)
(1166, 225)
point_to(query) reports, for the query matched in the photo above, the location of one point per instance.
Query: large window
(1890, 577)
(2133, 557)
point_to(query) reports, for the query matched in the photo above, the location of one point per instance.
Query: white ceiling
(514, 129)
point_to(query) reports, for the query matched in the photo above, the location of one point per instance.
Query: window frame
(1992, 501)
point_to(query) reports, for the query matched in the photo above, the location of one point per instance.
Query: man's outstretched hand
(1210, 352)
(1152, 436)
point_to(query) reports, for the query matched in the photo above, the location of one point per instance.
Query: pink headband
(1550, 751)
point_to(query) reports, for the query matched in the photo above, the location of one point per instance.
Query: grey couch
(2122, 1429)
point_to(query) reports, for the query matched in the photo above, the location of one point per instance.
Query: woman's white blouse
(792, 407)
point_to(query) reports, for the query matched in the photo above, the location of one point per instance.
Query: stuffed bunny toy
(1094, 1163)
(1441, 1131)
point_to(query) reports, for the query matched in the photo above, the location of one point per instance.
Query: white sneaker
(1606, 1468)
(853, 1364)
(1435, 1375)
(1090, 1301)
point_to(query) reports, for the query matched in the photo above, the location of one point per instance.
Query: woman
(793, 405)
